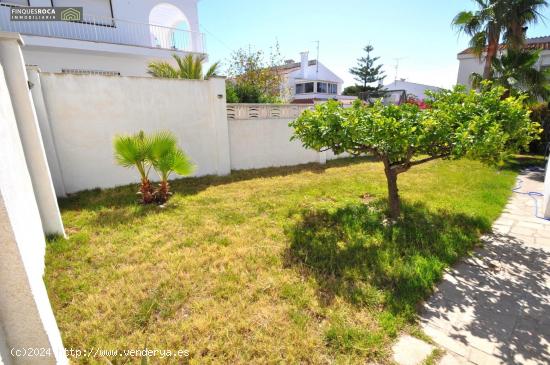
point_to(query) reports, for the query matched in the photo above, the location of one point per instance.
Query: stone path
(494, 307)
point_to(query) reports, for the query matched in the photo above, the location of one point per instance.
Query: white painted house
(411, 88)
(115, 37)
(309, 81)
(470, 63)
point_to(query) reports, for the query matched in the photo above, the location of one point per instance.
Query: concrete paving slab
(411, 351)
(494, 307)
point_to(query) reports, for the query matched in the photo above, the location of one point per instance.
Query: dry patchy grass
(286, 265)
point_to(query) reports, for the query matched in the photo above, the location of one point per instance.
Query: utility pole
(397, 59)
(317, 62)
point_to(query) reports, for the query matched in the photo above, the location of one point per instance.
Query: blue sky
(417, 32)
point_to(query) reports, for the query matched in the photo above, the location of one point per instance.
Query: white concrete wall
(546, 199)
(11, 58)
(87, 111)
(257, 143)
(56, 54)
(26, 317)
(45, 130)
(468, 64)
(5, 356)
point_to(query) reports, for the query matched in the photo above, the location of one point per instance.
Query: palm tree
(496, 18)
(167, 158)
(519, 14)
(134, 151)
(484, 26)
(188, 67)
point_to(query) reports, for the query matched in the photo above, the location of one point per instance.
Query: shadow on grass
(519, 162)
(120, 205)
(353, 254)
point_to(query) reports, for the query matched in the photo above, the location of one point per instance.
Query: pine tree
(368, 73)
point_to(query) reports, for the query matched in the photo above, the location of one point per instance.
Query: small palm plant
(167, 158)
(134, 151)
(188, 67)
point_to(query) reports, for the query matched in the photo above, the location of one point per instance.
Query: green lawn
(286, 265)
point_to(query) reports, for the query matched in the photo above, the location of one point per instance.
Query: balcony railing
(108, 30)
(265, 111)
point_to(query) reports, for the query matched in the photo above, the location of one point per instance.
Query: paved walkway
(494, 307)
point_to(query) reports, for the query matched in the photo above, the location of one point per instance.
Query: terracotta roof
(530, 43)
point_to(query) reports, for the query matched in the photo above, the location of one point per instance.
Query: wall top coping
(12, 36)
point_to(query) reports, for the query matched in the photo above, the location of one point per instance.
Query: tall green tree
(367, 73)
(484, 26)
(495, 20)
(518, 15)
(188, 67)
(478, 125)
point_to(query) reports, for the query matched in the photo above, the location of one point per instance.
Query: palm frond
(467, 22)
(182, 165)
(161, 143)
(478, 43)
(213, 70)
(187, 67)
(162, 69)
(167, 157)
(133, 151)
(475, 80)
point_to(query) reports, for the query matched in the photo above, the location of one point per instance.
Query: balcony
(109, 30)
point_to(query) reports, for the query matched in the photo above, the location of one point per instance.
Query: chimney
(304, 64)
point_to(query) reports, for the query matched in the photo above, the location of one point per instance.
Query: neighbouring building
(402, 89)
(114, 37)
(309, 81)
(410, 88)
(470, 63)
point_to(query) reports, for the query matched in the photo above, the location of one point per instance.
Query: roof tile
(542, 43)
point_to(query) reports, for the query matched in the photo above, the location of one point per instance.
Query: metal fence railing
(108, 30)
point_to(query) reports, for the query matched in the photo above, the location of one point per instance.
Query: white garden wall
(80, 115)
(266, 143)
(85, 113)
(26, 318)
(260, 137)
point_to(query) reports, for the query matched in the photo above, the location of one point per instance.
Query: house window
(304, 88)
(322, 87)
(332, 88)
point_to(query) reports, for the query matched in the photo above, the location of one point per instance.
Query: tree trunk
(393, 191)
(146, 191)
(163, 192)
(492, 49)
